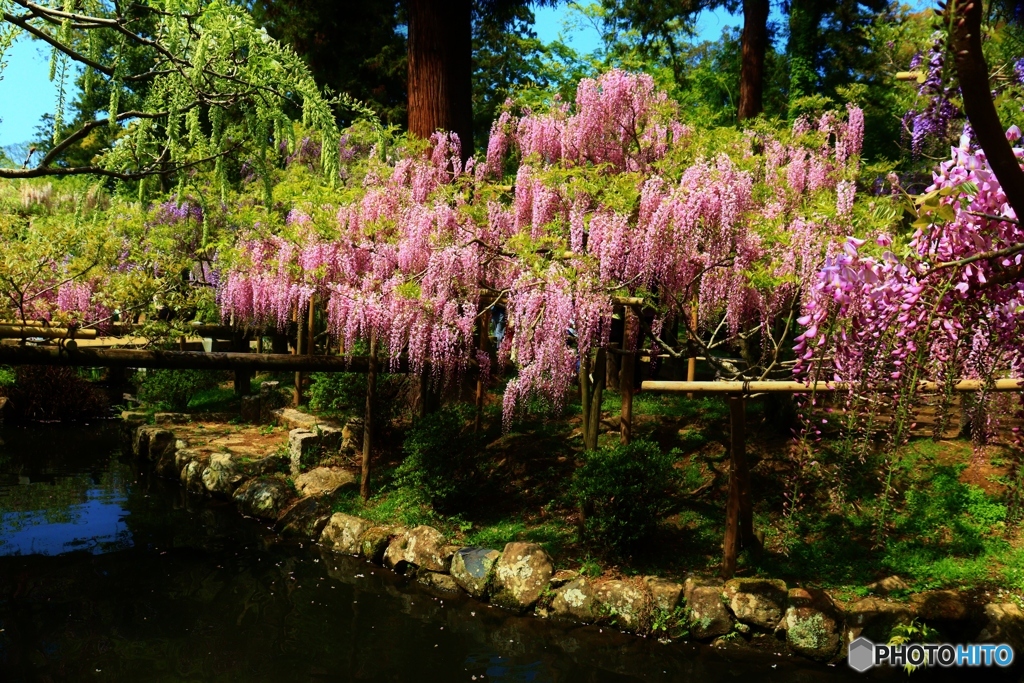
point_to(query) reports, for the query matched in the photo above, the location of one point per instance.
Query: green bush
(440, 458)
(624, 491)
(337, 392)
(174, 389)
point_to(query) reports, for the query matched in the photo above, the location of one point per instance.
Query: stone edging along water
(523, 578)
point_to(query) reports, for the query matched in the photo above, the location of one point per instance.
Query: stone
(184, 456)
(889, 584)
(575, 600)
(813, 624)
(940, 606)
(352, 436)
(161, 442)
(521, 575)
(874, 618)
(222, 476)
(264, 497)
(1004, 623)
(192, 474)
(422, 546)
(140, 442)
(438, 581)
(251, 409)
(342, 533)
(376, 540)
(758, 602)
(623, 604)
(562, 577)
(324, 481)
(472, 569)
(296, 419)
(307, 447)
(270, 400)
(305, 518)
(666, 594)
(709, 617)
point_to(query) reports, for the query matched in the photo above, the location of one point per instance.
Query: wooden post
(299, 340)
(626, 392)
(739, 516)
(424, 392)
(371, 390)
(243, 378)
(481, 390)
(311, 336)
(691, 363)
(627, 367)
(592, 390)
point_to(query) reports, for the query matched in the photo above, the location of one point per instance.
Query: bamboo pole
(72, 356)
(371, 391)
(23, 331)
(787, 387)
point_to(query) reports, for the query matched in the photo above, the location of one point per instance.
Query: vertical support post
(627, 366)
(691, 363)
(483, 344)
(371, 391)
(739, 516)
(311, 335)
(243, 378)
(299, 343)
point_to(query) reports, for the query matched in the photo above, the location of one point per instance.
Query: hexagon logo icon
(862, 655)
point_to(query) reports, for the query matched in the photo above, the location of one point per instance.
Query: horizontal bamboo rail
(44, 332)
(71, 355)
(783, 387)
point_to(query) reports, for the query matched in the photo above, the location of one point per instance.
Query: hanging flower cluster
(573, 207)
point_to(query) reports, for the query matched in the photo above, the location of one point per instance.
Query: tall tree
(441, 69)
(754, 48)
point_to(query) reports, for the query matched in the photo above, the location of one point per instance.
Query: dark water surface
(107, 573)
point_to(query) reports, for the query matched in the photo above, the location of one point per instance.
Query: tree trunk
(371, 392)
(441, 69)
(591, 391)
(754, 47)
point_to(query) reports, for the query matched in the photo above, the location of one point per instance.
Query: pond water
(109, 574)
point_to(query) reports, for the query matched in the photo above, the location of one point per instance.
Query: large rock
(192, 474)
(472, 569)
(376, 540)
(352, 435)
(666, 594)
(1004, 624)
(521, 575)
(757, 602)
(813, 624)
(324, 481)
(222, 476)
(575, 600)
(623, 604)
(438, 581)
(421, 546)
(184, 455)
(263, 497)
(151, 442)
(888, 585)
(874, 618)
(709, 617)
(343, 532)
(305, 518)
(270, 400)
(307, 447)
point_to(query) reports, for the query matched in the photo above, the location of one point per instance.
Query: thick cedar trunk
(754, 47)
(441, 69)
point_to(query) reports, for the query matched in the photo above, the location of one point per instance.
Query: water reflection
(175, 588)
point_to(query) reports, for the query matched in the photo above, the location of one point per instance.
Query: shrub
(624, 491)
(337, 392)
(174, 389)
(51, 393)
(440, 458)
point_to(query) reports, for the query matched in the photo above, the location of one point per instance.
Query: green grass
(214, 400)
